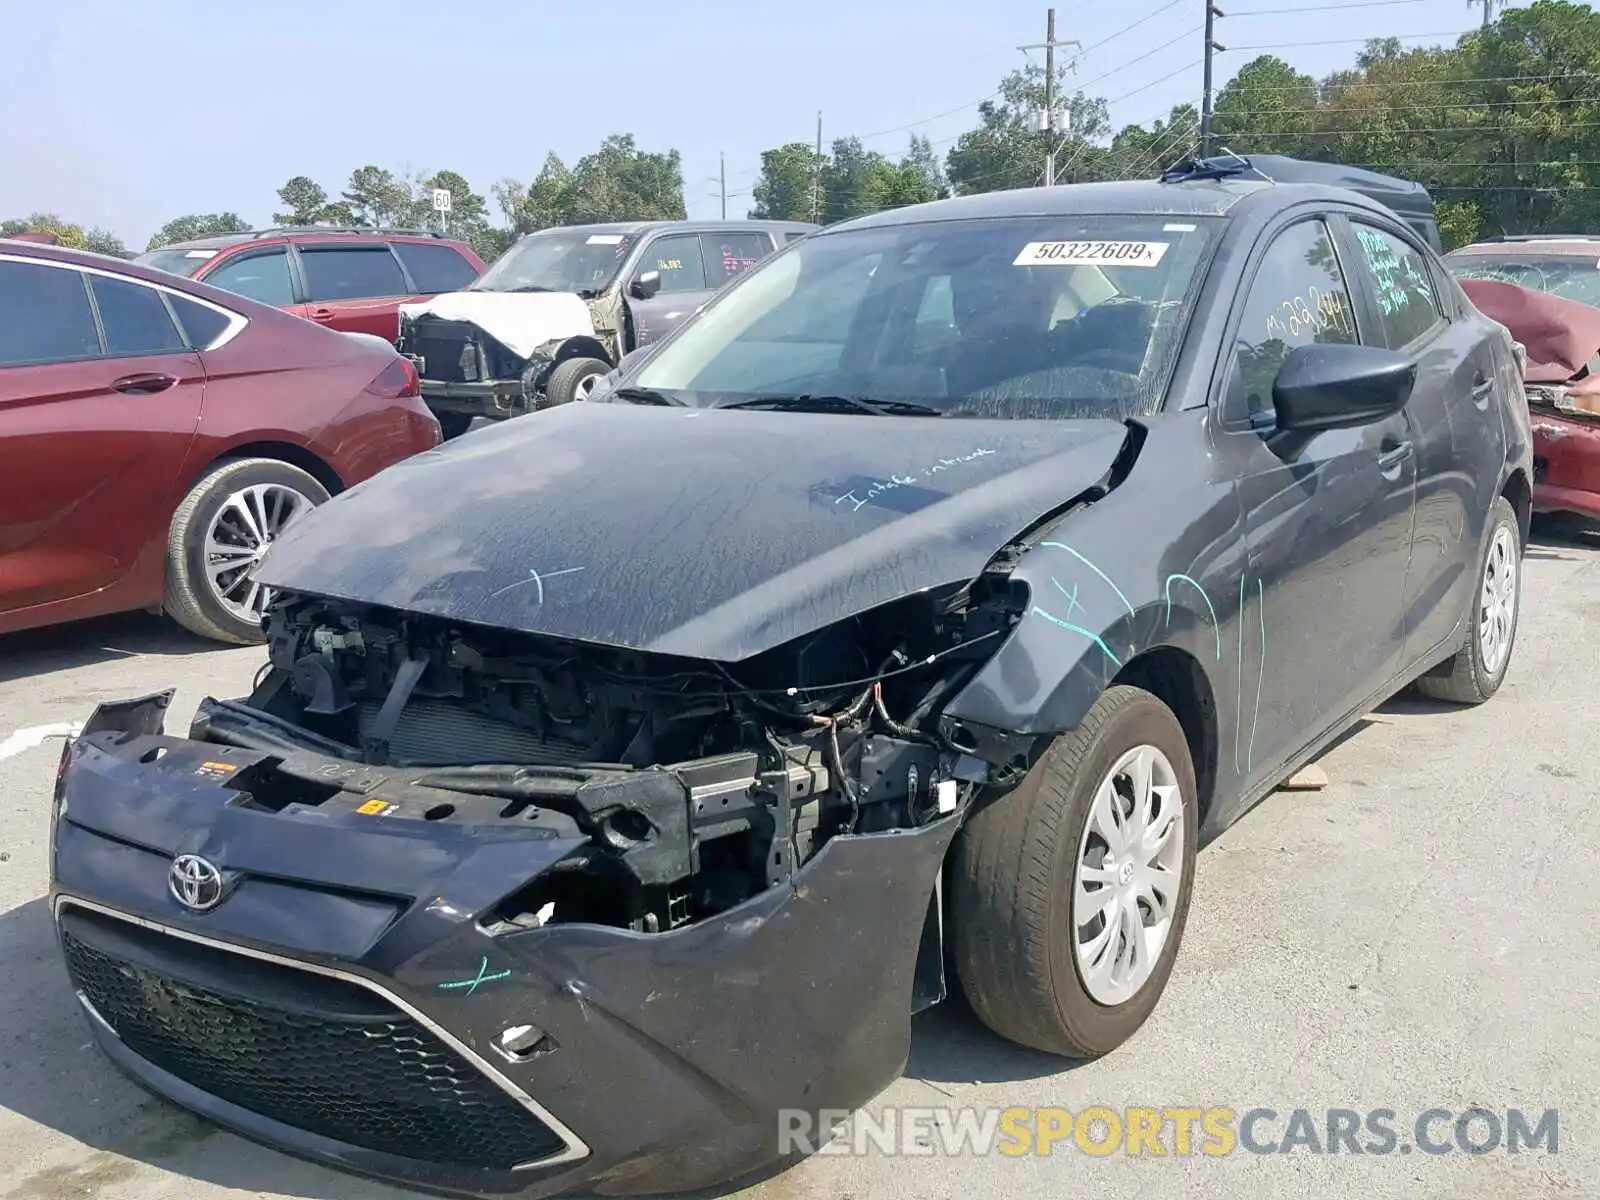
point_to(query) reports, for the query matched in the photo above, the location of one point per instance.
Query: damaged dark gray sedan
(628, 774)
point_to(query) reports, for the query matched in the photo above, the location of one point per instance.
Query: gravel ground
(1419, 934)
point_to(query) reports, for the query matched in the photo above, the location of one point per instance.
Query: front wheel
(575, 379)
(223, 528)
(1070, 893)
(1476, 671)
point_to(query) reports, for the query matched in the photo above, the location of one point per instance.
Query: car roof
(1185, 198)
(638, 227)
(1555, 245)
(222, 241)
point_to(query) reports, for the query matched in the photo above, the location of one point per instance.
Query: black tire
(571, 380)
(1464, 678)
(191, 599)
(1013, 877)
(453, 424)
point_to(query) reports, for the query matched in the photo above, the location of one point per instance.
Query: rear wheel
(1476, 671)
(223, 528)
(574, 379)
(1071, 892)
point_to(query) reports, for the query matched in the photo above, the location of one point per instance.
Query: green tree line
(1503, 127)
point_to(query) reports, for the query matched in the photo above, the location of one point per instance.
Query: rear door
(265, 274)
(732, 252)
(1454, 420)
(356, 287)
(99, 399)
(680, 261)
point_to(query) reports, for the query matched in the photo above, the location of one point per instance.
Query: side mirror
(1340, 387)
(645, 286)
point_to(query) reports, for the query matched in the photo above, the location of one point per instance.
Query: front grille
(317, 1054)
(449, 354)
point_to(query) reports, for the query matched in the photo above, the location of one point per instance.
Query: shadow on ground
(86, 643)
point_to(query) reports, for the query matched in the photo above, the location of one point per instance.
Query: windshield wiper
(807, 402)
(530, 287)
(639, 395)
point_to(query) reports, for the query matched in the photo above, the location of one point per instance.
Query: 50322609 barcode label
(1098, 254)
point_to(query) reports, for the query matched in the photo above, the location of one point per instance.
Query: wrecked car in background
(620, 778)
(1562, 341)
(561, 308)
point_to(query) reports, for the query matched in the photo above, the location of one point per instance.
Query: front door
(1456, 426)
(263, 275)
(1328, 521)
(680, 261)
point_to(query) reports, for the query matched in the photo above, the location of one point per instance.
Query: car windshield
(557, 260)
(176, 262)
(1036, 317)
(1561, 275)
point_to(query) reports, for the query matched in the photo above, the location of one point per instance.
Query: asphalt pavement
(1419, 934)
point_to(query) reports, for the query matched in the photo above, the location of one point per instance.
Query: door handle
(1392, 458)
(322, 314)
(144, 385)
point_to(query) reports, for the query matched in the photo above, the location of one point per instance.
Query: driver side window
(1298, 298)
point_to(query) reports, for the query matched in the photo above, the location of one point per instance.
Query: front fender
(1106, 585)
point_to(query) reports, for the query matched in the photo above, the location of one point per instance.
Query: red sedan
(157, 434)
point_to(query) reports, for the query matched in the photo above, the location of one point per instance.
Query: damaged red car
(1562, 382)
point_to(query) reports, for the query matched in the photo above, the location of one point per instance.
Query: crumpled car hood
(520, 321)
(703, 533)
(1562, 336)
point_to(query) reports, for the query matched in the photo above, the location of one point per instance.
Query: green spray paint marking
(471, 985)
(1216, 629)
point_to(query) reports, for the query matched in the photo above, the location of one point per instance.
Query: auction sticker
(1097, 254)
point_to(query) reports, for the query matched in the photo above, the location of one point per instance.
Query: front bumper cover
(666, 1057)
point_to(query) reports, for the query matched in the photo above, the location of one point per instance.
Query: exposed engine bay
(696, 784)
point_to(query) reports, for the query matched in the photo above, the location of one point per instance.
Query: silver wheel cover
(240, 534)
(1128, 874)
(586, 386)
(1497, 601)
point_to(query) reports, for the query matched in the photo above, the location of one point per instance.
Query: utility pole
(816, 176)
(722, 173)
(1212, 13)
(1048, 120)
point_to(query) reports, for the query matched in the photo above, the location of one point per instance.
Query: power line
(1407, 130)
(1285, 112)
(1273, 12)
(1397, 37)
(1451, 82)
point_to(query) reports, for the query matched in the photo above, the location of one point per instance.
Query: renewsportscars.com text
(1100, 1131)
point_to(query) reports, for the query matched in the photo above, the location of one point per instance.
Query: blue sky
(124, 115)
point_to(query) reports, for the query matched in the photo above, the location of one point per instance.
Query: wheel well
(1520, 497)
(295, 456)
(1175, 678)
(581, 347)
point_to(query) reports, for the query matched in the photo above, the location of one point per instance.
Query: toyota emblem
(195, 883)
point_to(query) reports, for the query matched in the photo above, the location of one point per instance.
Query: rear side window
(48, 318)
(262, 277)
(1407, 302)
(203, 325)
(435, 268)
(134, 318)
(792, 237)
(350, 272)
(1299, 297)
(729, 254)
